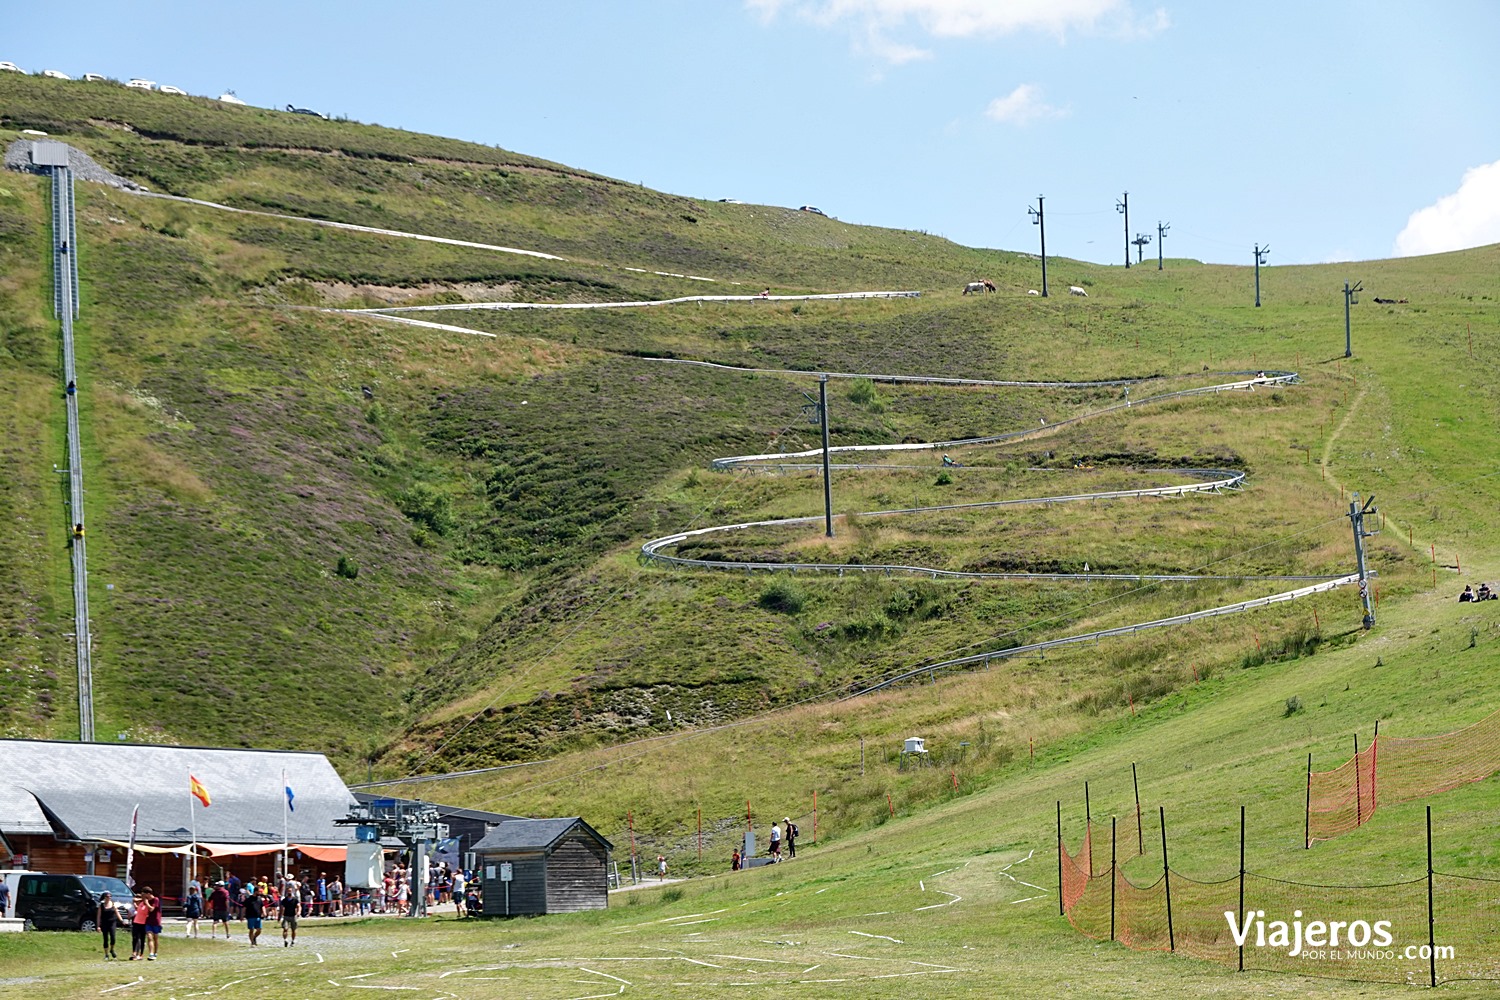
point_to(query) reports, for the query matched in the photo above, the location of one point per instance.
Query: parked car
(56, 74)
(68, 902)
(228, 97)
(142, 84)
(814, 211)
(164, 89)
(11, 67)
(305, 111)
(95, 78)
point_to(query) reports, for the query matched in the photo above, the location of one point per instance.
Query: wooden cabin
(535, 866)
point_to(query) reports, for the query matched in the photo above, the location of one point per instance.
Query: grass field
(415, 550)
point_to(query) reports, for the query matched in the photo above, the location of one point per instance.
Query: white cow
(1075, 290)
(1032, 291)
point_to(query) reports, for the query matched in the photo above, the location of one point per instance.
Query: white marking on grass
(812, 967)
(742, 958)
(881, 936)
(861, 958)
(934, 906)
(362, 975)
(1028, 899)
(689, 923)
(923, 972)
(921, 885)
(877, 913)
(138, 981)
(372, 986)
(401, 952)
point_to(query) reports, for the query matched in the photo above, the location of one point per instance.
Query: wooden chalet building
(555, 866)
(66, 808)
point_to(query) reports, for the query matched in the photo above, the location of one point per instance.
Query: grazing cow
(975, 287)
(1032, 291)
(1075, 290)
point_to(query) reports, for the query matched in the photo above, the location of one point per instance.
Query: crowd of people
(283, 899)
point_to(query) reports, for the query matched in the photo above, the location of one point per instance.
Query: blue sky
(1329, 130)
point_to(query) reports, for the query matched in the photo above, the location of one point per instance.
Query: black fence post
(1307, 817)
(1059, 860)
(1359, 818)
(1431, 937)
(1140, 836)
(1242, 884)
(1166, 874)
(1113, 878)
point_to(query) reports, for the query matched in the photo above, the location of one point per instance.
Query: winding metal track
(1208, 480)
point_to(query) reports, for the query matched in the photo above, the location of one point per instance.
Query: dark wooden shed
(556, 866)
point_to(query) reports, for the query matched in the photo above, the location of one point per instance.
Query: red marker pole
(890, 805)
(815, 816)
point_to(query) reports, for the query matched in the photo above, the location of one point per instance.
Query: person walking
(458, 892)
(290, 909)
(218, 909)
(138, 927)
(192, 909)
(107, 919)
(791, 837)
(775, 842)
(4, 897)
(153, 922)
(255, 908)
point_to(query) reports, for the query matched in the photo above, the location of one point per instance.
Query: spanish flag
(195, 787)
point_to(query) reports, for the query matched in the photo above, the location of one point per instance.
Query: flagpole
(193, 824)
(286, 848)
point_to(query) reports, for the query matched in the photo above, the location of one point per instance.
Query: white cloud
(872, 23)
(1469, 217)
(1022, 106)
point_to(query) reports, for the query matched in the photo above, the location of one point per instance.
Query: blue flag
(289, 797)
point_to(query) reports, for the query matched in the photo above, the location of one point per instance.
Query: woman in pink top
(138, 928)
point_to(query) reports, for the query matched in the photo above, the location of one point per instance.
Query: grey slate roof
(533, 835)
(19, 812)
(88, 791)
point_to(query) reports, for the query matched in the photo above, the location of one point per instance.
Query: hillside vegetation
(415, 549)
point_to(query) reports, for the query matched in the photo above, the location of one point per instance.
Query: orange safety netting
(1399, 769)
(1391, 925)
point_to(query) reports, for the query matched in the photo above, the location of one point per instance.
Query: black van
(69, 902)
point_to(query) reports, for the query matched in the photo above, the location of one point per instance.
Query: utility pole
(1161, 237)
(1038, 219)
(818, 413)
(1140, 241)
(1123, 205)
(827, 479)
(1357, 520)
(1260, 258)
(1351, 296)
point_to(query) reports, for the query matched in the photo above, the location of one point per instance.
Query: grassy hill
(416, 549)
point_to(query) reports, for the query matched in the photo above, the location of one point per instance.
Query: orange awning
(324, 854)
